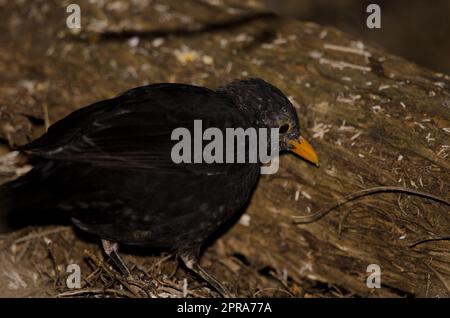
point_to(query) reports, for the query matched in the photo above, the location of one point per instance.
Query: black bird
(108, 166)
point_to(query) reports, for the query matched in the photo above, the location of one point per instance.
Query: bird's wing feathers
(133, 130)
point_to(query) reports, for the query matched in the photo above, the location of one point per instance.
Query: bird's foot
(192, 263)
(112, 250)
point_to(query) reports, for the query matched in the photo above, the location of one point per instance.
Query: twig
(127, 283)
(93, 276)
(255, 294)
(49, 247)
(174, 286)
(40, 234)
(72, 293)
(356, 195)
(432, 239)
(341, 222)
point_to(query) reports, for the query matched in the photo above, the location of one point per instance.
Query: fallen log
(375, 119)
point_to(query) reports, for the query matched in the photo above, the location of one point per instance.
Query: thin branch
(356, 195)
(33, 236)
(433, 239)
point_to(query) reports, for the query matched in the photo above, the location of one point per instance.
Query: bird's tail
(18, 200)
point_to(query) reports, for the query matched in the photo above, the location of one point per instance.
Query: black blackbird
(108, 166)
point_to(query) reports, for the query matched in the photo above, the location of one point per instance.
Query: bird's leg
(112, 250)
(192, 263)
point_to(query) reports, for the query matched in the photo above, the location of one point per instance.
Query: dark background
(415, 29)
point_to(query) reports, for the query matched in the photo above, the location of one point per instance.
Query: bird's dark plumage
(108, 165)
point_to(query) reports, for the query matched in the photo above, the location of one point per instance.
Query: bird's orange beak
(304, 149)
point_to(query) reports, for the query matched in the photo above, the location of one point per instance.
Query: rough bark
(374, 119)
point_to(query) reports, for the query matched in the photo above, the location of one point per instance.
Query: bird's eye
(284, 128)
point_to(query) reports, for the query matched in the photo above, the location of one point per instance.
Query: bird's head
(267, 107)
